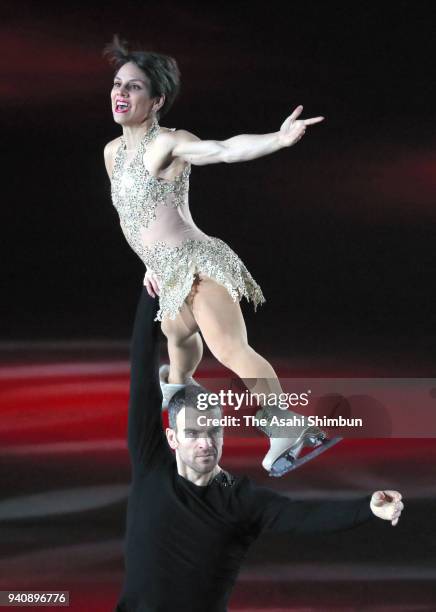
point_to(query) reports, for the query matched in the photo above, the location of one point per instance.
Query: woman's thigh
(183, 326)
(217, 315)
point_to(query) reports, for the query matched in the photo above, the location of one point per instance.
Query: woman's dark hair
(161, 70)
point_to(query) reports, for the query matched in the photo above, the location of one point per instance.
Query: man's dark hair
(161, 71)
(188, 396)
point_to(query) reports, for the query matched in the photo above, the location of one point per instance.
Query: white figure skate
(286, 445)
(168, 390)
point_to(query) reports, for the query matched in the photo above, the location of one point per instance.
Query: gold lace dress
(157, 223)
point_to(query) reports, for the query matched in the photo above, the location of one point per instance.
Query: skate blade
(288, 462)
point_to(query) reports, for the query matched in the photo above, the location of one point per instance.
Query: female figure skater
(199, 279)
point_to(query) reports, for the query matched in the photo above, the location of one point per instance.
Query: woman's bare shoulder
(112, 145)
(177, 135)
(109, 154)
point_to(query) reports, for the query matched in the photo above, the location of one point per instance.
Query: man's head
(159, 74)
(191, 433)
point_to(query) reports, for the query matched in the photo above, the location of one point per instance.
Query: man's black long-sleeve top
(184, 542)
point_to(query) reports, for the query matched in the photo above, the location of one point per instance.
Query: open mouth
(121, 107)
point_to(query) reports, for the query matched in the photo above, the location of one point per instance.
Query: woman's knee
(230, 352)
(181, 328)
(175, 334)
(168, 328)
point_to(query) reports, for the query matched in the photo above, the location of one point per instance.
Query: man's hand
(387, 505)
(151, 283)
(293, 129)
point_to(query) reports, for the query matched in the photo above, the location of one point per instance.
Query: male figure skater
(189, 522)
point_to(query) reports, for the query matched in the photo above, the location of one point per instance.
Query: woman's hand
(292, 129)
(151, 283)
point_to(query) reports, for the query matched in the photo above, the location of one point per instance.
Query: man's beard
(204, 467)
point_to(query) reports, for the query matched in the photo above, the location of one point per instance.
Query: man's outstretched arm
(339, 515)
(324, 516)
(146, 439)
(273, 512)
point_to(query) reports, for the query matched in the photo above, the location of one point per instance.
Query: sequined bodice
(136, 193)
(157, 223)
(151, 209)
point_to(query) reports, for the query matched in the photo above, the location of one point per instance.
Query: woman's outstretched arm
(243, 147)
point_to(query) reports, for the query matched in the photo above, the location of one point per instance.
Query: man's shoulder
(163, 462)
(251, 493)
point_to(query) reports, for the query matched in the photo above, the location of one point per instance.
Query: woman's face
(130, 98)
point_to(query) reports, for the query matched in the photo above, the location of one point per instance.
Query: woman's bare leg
(185, 346)
(210, 309)
(222, 325)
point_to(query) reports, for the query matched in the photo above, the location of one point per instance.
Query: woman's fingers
(296, 113)
(312, 120)
(155, 285)
(149, 287)
(151, 283)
